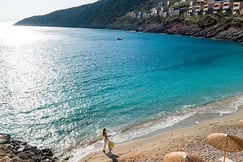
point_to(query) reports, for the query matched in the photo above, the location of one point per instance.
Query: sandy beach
(189, 139)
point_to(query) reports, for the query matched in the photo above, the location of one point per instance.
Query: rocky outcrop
(225, 33)
(16, 151)
(217, 26)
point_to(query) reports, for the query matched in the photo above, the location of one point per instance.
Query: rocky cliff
(13, 150)
(217, 26)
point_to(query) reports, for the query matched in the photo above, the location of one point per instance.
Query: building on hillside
(168, 3)
(236, 8)
(196, 7)
(189, 11)
(171, 11)
(226, 7)
(161, 11)
(146, 14)
(216, 7)
(140, 15)
(200, 2)
(155, 11)
(197, 10)
(176, 12)
(191, 3)
(165, 14)
(132, 14)
(205, 9)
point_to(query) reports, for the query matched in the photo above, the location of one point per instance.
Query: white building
(226, 6)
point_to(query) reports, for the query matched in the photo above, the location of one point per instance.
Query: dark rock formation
(217, 29)
(17, 151)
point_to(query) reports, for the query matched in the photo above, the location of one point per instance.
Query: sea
(59, 87)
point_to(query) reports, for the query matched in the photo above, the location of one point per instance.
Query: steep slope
(112, 14)
(96, 15)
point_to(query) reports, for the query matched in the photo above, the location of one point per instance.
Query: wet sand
(189, 139)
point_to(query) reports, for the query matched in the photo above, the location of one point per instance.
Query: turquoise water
(60, 86)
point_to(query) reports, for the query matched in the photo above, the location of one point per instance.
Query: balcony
(236, 6)
(216, 7)
(197, 8)
(226, 6)
(205, 8)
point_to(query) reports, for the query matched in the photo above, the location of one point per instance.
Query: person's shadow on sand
(112, 156)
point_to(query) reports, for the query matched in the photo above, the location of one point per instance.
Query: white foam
(230, 106)
(227, 106)
(79, 153)
(135, 132)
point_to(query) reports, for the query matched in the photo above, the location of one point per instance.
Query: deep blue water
(60, 86)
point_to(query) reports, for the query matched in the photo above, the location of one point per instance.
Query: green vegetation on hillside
(114, 14)
(96, 15)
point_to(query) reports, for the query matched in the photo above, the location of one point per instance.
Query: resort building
(171, 11)
(205, 9)
(155, 11)
(132, 14)
(165, 14)
(237, 6)
(196, 7)
(226, 7)
(189, 11)
(197, 10)
(208, 7)
(216, 7)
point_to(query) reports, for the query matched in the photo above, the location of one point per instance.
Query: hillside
(113, 14)
(96, 15)
(218, 26)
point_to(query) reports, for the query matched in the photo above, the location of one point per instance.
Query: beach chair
(226, 159)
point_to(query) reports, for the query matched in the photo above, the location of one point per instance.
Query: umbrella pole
(224, 155)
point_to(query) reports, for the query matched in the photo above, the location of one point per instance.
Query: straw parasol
(224, 142)
(238, 141)
(241, 123)
(181, 157)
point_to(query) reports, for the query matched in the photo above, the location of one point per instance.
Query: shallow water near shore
(186, 117)
(60, 86)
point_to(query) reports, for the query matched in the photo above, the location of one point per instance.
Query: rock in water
(13, 150)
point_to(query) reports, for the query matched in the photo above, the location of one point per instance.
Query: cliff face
(229, 33)
(220, 26)
(225, 32)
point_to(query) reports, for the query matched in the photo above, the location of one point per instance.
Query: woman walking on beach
(106, 139)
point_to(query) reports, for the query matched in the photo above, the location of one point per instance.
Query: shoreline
(175, 29)
(189, 115)
(155, 145)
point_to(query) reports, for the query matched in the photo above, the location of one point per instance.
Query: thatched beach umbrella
(241, 123)
(181, 157)
(224, 142)
(238, 141)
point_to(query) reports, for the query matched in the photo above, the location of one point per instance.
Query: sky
(12, 11)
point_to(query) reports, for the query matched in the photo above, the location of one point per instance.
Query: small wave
(131, 133)
(221, 107)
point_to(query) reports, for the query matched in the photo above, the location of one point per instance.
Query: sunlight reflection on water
(26, 73)
(60, 86)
